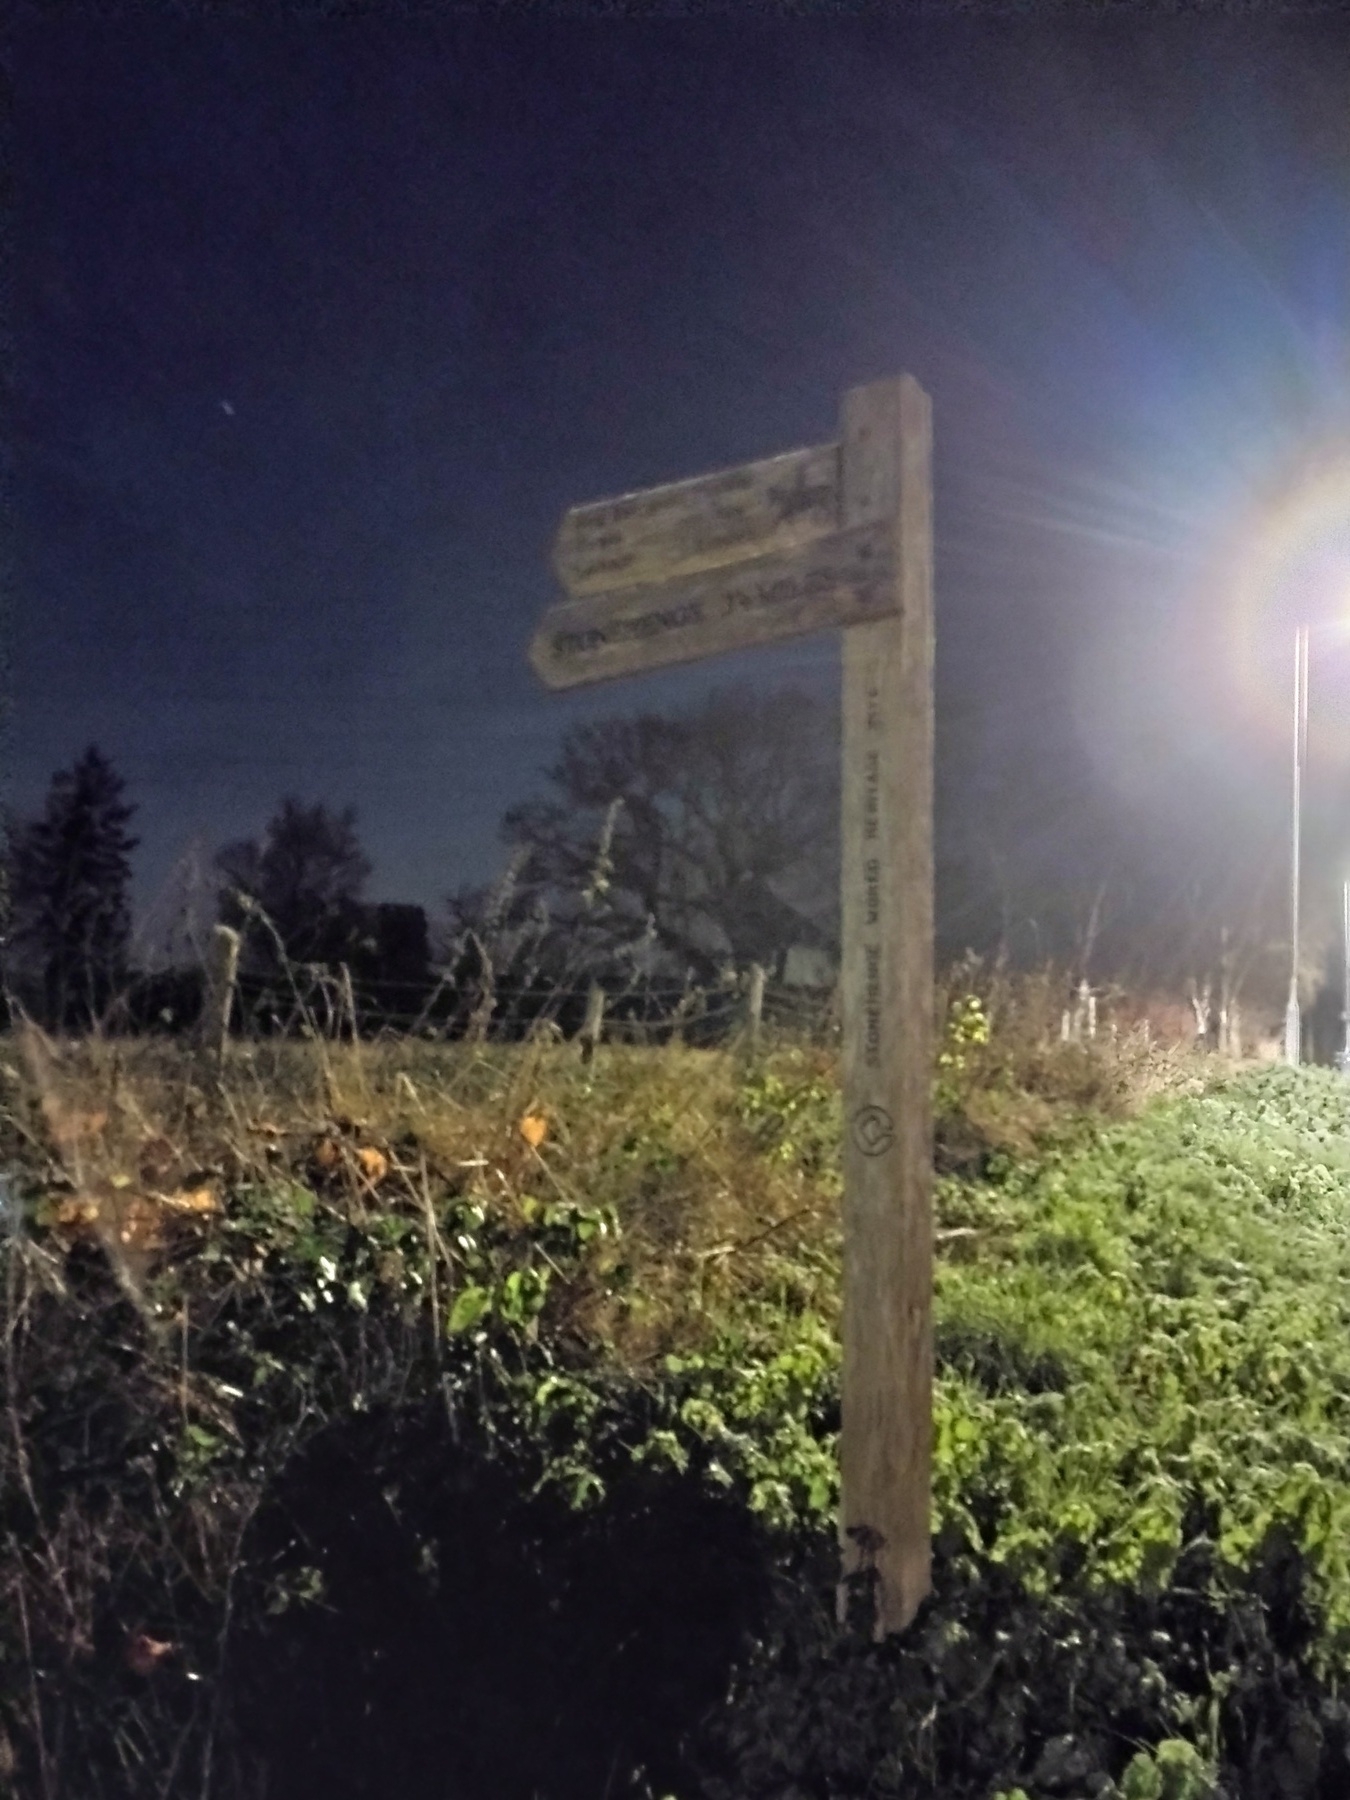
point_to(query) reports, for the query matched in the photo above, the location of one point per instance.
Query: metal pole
(1345, 1014)
(1292, 1031)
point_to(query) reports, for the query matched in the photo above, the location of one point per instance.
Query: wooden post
(486, 1003)
(222, 969)
(595, 1021)
(346, 1002)
(887, 994)
(836, 536)
(754, 1006)
(684, 1008)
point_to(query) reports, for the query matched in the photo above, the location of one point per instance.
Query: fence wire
(319, 1001)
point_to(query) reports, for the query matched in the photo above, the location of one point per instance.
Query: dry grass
(429, 1170)
(138, 1144)
(720, 1167)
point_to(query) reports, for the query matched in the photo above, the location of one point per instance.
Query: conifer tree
(306, 872)
(71, 871)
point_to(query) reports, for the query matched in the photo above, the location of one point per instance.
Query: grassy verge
(441, 1420)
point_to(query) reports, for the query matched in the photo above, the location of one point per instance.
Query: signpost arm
(887, 1000)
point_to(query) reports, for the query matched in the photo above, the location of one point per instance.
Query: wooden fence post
(481, 1017)
(222, 970)
(684, 1008)
(594, 1022)
(754, 1006)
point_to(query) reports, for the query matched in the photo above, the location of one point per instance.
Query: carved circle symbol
(873, 1130)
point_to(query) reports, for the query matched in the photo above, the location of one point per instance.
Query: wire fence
(323, 1001)
(330, 1002)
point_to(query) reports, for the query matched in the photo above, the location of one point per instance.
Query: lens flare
(1291, 567)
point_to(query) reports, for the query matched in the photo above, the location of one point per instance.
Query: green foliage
(1164, 1287)
(966, 1028)
(748, 1414)
(793, 1112)
(1175, 1771)
(1141, 1457)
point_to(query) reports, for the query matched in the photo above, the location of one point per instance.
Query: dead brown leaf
(144, 1654)
(326, 1155)
(373, 1163)
(534, 1129)
(191, 1200)
(76, 1213)
(139, 1222)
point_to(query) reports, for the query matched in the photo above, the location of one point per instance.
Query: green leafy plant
(617, 1347)
(1175, 1770)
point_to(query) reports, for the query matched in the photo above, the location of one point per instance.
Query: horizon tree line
(665, 850)
(672, 847)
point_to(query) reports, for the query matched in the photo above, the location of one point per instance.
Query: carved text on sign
(872, 1008)
(845, 579)
(712, 521)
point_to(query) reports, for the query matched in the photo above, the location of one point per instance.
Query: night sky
(320, 327)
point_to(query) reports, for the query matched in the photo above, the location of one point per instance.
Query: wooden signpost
(836, 536)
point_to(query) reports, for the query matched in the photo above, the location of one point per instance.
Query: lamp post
(1292, 1032)
(1343, 1060)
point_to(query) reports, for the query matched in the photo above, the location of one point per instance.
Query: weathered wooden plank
(845, 579)
(840, 536)
(712, 521)
(887, 1002)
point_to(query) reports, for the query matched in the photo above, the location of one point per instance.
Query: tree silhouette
(70, 873)
(306, 873)
(8, 837)
(711, 836)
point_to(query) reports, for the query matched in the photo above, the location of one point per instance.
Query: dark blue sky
(320, 327)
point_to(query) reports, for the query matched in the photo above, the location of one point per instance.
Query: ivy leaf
(471, 1303)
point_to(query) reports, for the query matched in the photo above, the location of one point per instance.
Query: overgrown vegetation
(453, 1420)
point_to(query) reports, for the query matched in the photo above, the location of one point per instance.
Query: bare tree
(709, 836)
